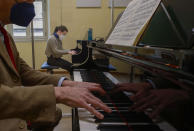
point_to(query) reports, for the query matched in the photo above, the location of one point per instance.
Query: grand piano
(164, 51)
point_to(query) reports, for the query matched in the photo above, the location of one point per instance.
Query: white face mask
(61, 37)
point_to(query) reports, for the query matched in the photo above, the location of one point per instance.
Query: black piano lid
(175, 34)
(170, 39)
(160, 31)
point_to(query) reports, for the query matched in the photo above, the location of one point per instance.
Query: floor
(65, 123)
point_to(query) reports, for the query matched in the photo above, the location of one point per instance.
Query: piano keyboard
(120, 119)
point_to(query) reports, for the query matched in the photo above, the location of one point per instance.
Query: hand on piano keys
(81, 97)
(159, 100)
(93, 87)
(72, 52)
(146, 97)
(132, 87)
(121, 119)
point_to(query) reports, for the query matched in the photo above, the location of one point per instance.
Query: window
(19, 31)
(39, 24)
(39, 19)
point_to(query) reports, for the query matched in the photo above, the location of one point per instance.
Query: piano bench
(48, 67)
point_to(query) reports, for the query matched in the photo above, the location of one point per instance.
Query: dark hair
(61, 28)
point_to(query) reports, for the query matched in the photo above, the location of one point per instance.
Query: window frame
(27, 38)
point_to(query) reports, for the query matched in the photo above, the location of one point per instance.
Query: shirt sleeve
(152, 83)
(61, 81)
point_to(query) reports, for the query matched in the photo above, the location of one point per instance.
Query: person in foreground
(29, 95)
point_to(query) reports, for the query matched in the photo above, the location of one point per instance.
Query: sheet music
(133, 22)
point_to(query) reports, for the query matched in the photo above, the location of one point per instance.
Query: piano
(120, 119)
(168, 57)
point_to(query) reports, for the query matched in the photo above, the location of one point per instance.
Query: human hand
(80, 97)
(90, 86)
(158, 100)
(132, 87)
(72, 52)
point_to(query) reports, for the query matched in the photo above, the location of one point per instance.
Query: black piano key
(126, 128)
(125, 114)
(114, 112)
(119, 104)
(129, 120)
(121, 128)
(97, 77)
(115, 99)
(118, 108)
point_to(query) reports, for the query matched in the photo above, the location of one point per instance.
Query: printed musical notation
(133, 22)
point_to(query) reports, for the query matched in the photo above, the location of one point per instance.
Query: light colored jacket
(21, 100)
(55, 48)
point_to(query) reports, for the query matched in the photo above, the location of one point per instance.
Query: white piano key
(123, 123)
(77, 76)
(85, 114)
(116, 81)
(82, 109)
(165, 126)
(110, 77)
(88, 124)
(67, 115)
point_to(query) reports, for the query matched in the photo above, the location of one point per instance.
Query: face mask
(61, 37)
(22, 14)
